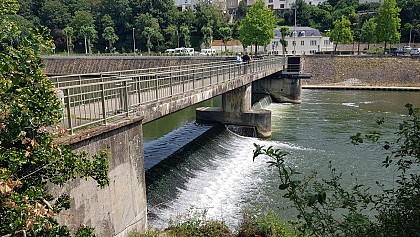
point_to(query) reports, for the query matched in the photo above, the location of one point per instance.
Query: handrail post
(103, 103)
(126, 99)
(68, 107)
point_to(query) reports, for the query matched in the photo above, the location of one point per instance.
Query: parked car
(415, 51)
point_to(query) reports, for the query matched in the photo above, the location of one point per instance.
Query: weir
(107, 111)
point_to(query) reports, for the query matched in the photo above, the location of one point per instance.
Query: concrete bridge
(107, 110)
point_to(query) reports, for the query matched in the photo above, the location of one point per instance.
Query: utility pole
(134, 43)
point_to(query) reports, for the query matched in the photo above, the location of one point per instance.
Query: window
(281, 6)
(302, 34)
(294, 43)
(313, 42)
(302, 42)
(271, 6)
(326, 42)
(270, 1)
(294, 34)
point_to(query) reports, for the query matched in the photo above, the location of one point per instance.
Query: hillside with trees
(108, 26)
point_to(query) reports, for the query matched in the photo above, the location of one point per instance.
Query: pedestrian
(246, 58)
(238, 59)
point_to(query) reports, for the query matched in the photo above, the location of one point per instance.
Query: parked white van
(208, 52)
(170, 51)
(184, 51)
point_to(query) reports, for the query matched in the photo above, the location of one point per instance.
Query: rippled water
(216, 172)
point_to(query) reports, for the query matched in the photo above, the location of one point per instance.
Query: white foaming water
(224, 187)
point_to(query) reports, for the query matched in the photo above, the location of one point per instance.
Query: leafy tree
(242, 9)
(142, 21)
(208, 35)
(89, 34)
(149, 33)
(107, 21)
(110, 36)
(285, 31)
(226, 34)
(341, 33)
(68, 32)
(173, 33)
(257, 28)
(54, 14)
(81, 19)
(388, 23)
(368, 31)
(29, 158)
(185, 32)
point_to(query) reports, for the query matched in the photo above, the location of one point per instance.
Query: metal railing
(94, 99)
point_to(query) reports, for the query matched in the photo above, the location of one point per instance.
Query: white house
(284, 4)
(303, 40)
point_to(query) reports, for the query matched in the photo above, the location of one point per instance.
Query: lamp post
(134, 43)
(294, 35)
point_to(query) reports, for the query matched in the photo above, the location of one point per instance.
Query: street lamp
(134, 43)
(294, 35)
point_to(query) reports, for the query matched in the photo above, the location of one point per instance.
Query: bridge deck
(95, 99)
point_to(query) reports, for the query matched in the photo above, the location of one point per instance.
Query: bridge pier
(281, 88)
(236, 110)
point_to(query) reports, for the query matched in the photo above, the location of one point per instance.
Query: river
(216, 173)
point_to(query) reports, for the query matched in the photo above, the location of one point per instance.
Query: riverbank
(362, 71)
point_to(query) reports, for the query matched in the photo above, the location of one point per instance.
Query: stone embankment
(362, 71)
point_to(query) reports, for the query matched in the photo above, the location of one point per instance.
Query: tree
(142, 21)
(110, 36)
(257, 28)
(285, 31)
(341, 33)
(368, 31)
(226, 34)
(89, 34)
(69, 34)
(149, 32)
(54, 14)
(208, 35)
(242, 9)
(173, 33)
(29, 158)
(185, 32)
(388, 23)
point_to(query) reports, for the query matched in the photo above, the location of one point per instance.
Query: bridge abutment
(236, 110)
(280, 89)
(120, 207)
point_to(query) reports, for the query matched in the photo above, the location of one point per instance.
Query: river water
(216, 172)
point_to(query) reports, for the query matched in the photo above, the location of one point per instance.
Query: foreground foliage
(29, 158)
(326, 208)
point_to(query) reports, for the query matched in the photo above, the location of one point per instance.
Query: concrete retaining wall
(59, 65)
(362, 70)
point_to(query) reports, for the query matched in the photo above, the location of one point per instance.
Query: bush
(264, 224)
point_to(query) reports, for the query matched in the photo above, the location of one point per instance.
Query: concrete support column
(238, 100)
(236, 110)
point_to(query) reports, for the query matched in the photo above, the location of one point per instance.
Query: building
(284, 4)
(303, 40)
(308, 41)
(224, 5)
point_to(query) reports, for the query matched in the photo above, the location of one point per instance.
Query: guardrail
(92, 99)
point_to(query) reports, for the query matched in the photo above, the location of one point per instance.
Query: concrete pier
(236, 110)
